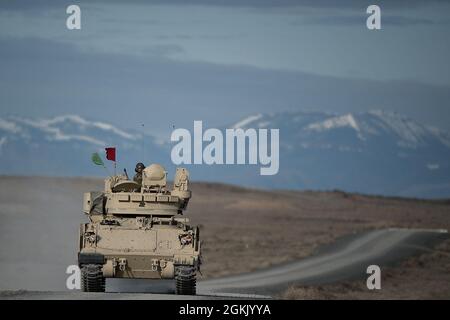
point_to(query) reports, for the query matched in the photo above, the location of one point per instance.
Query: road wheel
(92, 279)
(185, 281)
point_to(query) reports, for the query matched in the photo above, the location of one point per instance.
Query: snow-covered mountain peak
(246, 121)
(65, 128)
(335, 122)
(9, 126)
(325, 129)
(83, 124)
(75, 119)
(409, 133)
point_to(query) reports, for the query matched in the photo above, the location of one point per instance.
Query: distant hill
(372, 152)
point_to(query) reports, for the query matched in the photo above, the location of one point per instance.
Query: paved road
(346, 259)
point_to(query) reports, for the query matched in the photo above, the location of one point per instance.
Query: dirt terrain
(264, 228)
(242, 230)
(423, 277)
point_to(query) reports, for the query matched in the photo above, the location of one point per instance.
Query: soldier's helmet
(139, 167)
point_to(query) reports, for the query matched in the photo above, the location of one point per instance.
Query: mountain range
(374, 152)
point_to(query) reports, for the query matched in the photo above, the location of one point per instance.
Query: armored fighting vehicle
(137, 230)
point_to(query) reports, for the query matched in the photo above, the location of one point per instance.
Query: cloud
(42, 5)
(358, 20)
(290, 3)
(247, 36)
(36, 5)
(163, 50)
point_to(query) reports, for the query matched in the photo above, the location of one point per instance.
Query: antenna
(107, 170)
(143, 143)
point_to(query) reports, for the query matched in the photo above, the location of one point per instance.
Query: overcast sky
(167, 64)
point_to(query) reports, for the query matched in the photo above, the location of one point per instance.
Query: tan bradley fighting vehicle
(137, 230)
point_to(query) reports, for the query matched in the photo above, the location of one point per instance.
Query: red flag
(111, 154)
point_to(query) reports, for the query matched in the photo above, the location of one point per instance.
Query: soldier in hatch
(138, 176)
